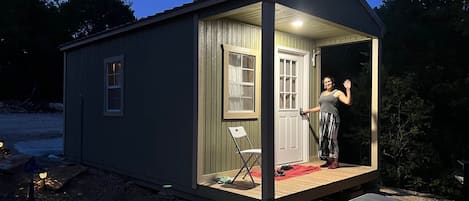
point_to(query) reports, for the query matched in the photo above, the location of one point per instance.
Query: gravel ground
(30, 126)
(91, 185)
(40, 134)
(406, 195)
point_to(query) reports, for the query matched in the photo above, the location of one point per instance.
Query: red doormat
(297, 170)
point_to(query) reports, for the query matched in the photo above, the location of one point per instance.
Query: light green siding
(218, 149)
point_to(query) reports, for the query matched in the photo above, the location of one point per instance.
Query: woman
(329, 120)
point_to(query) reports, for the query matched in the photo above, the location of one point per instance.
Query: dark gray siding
(347, 13)
(73, 80)
(153, 138)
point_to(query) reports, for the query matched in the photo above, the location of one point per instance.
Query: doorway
(291, 94)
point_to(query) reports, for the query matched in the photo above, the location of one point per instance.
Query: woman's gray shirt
(329, 103)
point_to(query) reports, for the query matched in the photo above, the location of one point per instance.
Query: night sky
(145, 8)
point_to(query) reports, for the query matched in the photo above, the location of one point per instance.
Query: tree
(86, 17)
(29, 59)
(31, 65)
(405, 145)
(427, 40)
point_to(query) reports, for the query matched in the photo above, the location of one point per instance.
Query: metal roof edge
(174, 12)
(374, 16)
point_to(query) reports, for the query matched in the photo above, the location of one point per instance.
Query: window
(113, 85)
(288, 84)
(241, 94)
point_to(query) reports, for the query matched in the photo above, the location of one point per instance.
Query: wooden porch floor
(307, 187)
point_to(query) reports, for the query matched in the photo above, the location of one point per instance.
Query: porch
(306, 187)
(272, 50)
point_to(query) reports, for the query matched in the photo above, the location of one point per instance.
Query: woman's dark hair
(330, 77)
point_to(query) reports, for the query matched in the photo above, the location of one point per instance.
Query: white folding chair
(239, 134)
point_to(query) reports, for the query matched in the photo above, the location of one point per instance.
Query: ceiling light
(297, 23)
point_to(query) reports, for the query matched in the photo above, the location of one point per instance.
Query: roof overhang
(184, 9)
(355, 15)
(322, 19)
(311, 26)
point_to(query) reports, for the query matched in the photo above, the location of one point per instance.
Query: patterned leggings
(328, 130)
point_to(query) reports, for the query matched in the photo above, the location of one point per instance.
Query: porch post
(267, 99)
(375, 86)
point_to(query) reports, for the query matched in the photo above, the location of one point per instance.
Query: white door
(291, 94)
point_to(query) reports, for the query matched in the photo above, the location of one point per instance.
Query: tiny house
(153, 99)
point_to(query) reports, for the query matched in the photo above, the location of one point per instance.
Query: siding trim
(195, 102)
(64, 116)
(353, 38)
(201, 104)
(375, 72)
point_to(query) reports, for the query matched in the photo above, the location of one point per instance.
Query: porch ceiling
(313, 27)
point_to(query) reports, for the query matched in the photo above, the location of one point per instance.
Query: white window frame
(227, 113)
(108, 61)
